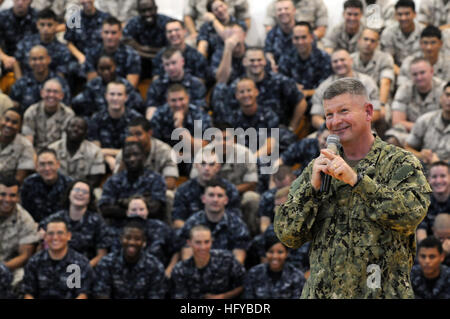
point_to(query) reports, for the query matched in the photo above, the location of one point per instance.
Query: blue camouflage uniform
(194, 63)
(111, 133)
(261, 283)
(88, 234)
(237, 69)
(46, 278)
(277, 42)
(301, 152)
(434, 209)
(276, 91)
(127, 59)
(27, 90)
(229, 233)
(267, 204)
(209, 34)
(431, 289)
(310, 72)
(162, 122)
(223, 273)
(118, 280)
(42, 200)
(60, 54)
(144, 34)
(188, 199)
(157, 91)
(13, 29)
(159, 238)
(5, 282)
(118, 189)
(92, 98)
(89, 31)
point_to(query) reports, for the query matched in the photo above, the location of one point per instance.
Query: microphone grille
(333, 139)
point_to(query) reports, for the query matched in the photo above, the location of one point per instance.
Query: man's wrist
(359, 177)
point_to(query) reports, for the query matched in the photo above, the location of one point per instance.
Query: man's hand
(8, 62)
(333, 165)
(428, 156)
(178, 118)
(209, 17)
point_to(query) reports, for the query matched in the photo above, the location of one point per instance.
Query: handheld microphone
(333, 146)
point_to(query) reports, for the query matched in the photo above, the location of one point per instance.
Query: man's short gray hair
(345, 85)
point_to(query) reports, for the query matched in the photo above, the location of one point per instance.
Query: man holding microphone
(362, 229)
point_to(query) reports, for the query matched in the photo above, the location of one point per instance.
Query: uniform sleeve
(249, 281)
(415, 138)
(321, 14)
(294, 219)
(29, 125)
(30, 282)
(28, 231)
(179, 289)
(26, 160)
(241, 236)
(180, 205)
(402, 201)
(237, 273)
(157, 285)
(401, 99)
(98, 164)
(387, 67)
(425, 12)
(103, 281)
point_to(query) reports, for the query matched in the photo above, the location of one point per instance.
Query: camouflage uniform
(46, 278)
(157, 91)
(313, 11)
(229, 233)
(161, 159)
(92, 98)
(17, 229)
(17, 155)
(441, 68)
(60, 54)
(27, 90)
(127, 59)
(45, 130)
(14, 29)
(159, 238)
(434, 209)
(197, 8)
(42, 200)
(393, 41)
(222, 273)
(338, 38)
(430, 132)
(118, 189)
(209, 34)
(277, 42)
(380, 66)
(144, 34)
(434, 12)
(369, 83)
(111, 133)
(89, 31)
(267, 204)
(162, 122)
(88, 159)
(123, 10)
(188, 199)
(301, 152)
(237, 69)
(88, 234)
(407, 99)
(5, 282)
(194, 63)
(309, 73)
(276, 91)
(5, 102)
(117, 279)
(259, 284)
(440, 288)
(355, 229)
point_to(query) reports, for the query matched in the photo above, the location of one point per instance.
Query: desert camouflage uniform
(123, 10)
(17, 155)
(434, 12)
(359, 234)
(88, 159)
(337, 38)
(45, 130)
(380, 66)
